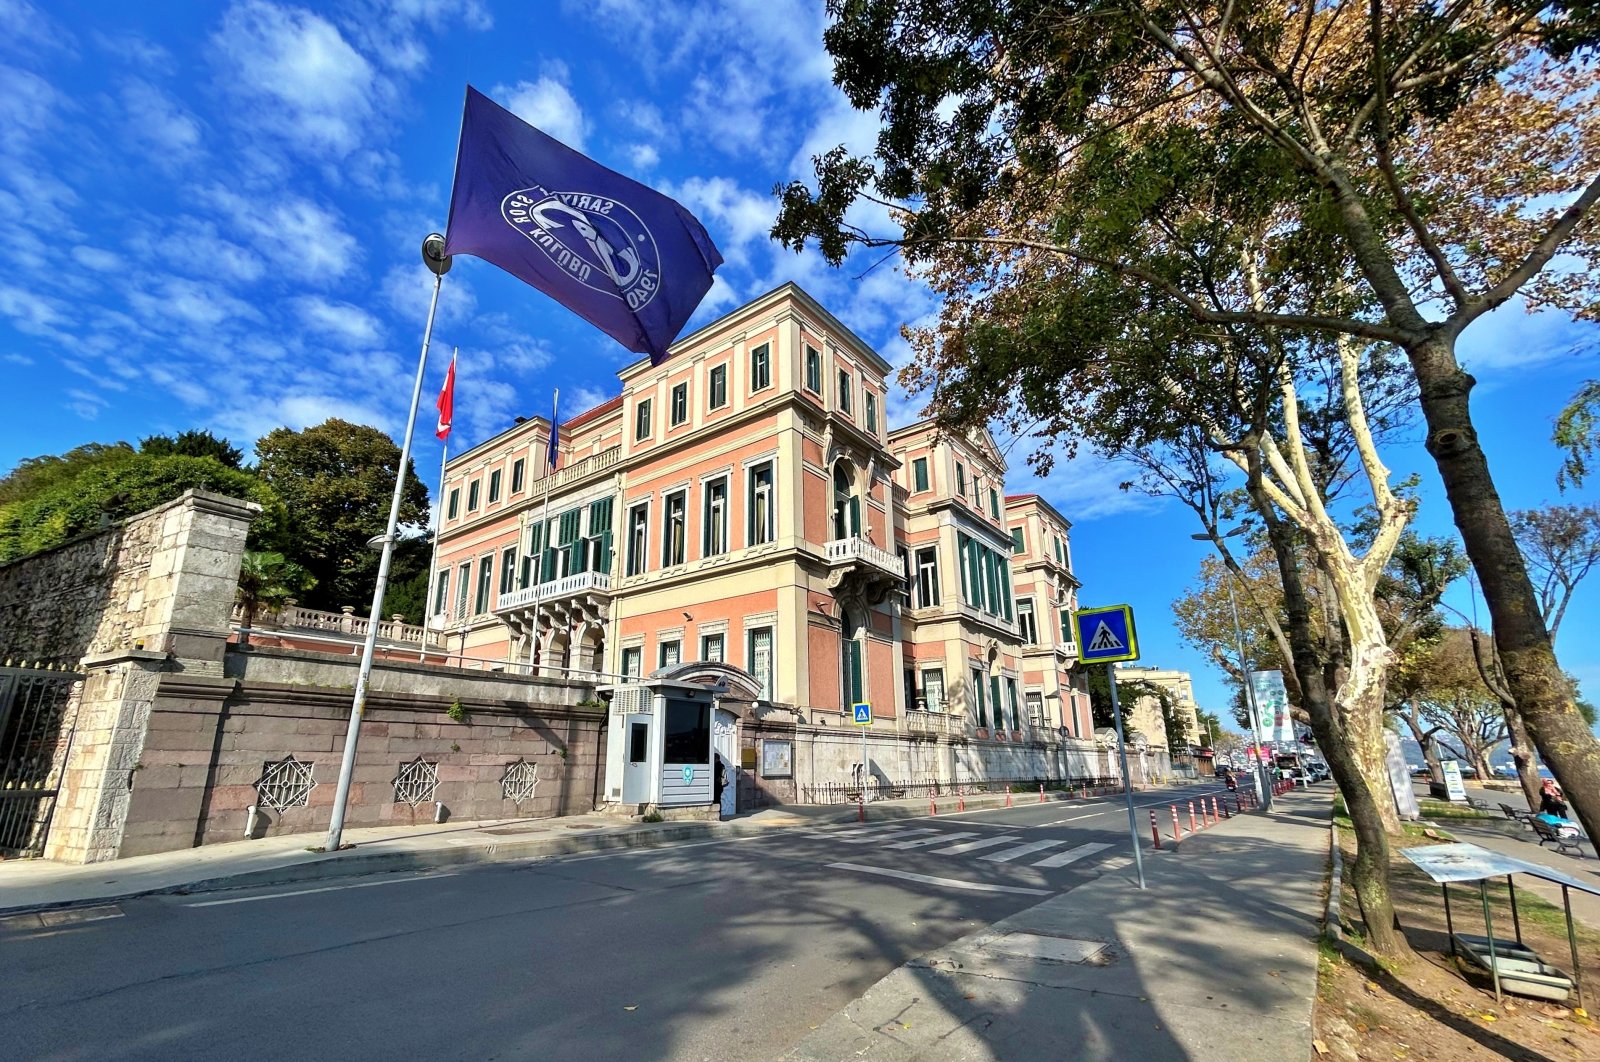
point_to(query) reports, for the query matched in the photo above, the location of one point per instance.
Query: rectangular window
(854, 688)
(441, 597)
(638, 742)
(1060, 559)
(977, 698)
(928, 577)
(1035, 702)
(1011, 699)
(761, 367)
(718, 387)
(485, 575)
(472, 496)
(995, 704)
(711, 647)
(933, 688)
(675, 521)
(919, 474)
(519, 471)
(813, 370)
(686, 733)
(463, 582)
(669, 653)
(759, 656)
(844, 391)
(1025, 620)
(977, 492)
(633, 666)
(872, 413)
(763, 520)
(494, 486)
(598, 544)
(641, 420)
(508, 569)
(714, 518)
(961, 480)
(994, 503)
(1066, 625)
(532, 562)
(638, 539)
(1017, 543)
(453, 510)
(680, 404)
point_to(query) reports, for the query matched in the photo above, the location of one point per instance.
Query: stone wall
(146, 582)
(209, 740)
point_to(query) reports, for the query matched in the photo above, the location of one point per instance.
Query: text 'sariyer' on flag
(624, 257)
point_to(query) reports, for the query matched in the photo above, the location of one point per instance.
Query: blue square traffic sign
(1106, 635)
(863, 714)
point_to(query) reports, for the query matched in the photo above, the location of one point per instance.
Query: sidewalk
(1217, 959)
(36, 884)
(1516, 840)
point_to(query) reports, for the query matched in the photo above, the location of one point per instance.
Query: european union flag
(625, 258)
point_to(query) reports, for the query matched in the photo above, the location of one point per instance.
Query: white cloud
(643, 156)
(1510, 339)
(547, 104)
(583, 399)
(17, 359)
(339, 321)
(97, 259)
(307, 83)
(164, 130)
(188, 305)
(305, 239)
(85, 404)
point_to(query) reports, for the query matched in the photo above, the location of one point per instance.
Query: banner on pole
(1272, 706)
(627, 259)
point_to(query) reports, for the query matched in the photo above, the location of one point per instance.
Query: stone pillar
(188, 597)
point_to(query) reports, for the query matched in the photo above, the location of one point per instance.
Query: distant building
(1145, 715)
(742, 515)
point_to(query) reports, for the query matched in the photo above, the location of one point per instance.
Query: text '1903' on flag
(624, 257)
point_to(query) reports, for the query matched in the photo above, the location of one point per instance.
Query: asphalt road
(712, 950)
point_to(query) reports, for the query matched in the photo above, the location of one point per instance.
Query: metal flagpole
(544, 520)
(1263, 778)
(1127, 780)
(434, 257)
(433, 561)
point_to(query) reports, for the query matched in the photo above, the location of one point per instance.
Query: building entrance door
(636, 769)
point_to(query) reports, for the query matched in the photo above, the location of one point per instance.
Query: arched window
(846, 504)
(850, 645)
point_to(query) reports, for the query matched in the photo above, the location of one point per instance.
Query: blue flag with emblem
(627, 259)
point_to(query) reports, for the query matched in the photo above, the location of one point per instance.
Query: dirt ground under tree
(1434, 1008)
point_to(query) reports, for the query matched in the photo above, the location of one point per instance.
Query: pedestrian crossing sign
(1106, 635)
(863, 714)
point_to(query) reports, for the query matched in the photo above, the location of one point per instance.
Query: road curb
(1332, 921)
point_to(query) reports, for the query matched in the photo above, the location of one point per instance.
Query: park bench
(1521, 970)
(1524, 817)
(1549, 835)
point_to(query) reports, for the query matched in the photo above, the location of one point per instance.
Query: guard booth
(661, 744)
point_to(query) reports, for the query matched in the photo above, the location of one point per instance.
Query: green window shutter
(605, 552)
(853, 653)
(977, 698)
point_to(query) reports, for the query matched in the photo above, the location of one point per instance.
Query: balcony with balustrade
(859, 569)
(341, 625)
(561, 604)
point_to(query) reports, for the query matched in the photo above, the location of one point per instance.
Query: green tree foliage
(337, 479)
(268, 581)
(193, 444)
(34, 475)
(74, 495)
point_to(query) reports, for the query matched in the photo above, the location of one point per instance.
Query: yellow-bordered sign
(1106, 635)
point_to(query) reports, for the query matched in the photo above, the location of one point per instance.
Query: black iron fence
(932, 789)
(35, 737)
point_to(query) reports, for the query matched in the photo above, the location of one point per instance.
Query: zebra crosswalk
(994, 848)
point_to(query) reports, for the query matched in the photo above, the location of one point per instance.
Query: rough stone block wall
(209, 740)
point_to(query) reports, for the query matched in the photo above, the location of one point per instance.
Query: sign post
(863, 719)
(1105, 636)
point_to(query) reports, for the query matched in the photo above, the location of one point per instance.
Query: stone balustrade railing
(291, 617)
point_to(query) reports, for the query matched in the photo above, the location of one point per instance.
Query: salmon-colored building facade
(744, 504)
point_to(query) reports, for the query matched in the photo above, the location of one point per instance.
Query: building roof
(1020, 499)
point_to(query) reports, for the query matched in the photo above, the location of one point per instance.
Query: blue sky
(215, 209)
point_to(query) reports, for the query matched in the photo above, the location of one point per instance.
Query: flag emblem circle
(595, 240)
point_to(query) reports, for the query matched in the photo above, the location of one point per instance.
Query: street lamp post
(1263, 779)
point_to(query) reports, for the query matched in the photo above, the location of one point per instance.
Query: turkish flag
(447, 401)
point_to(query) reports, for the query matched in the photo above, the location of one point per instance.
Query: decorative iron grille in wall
(285, 783)
(520, 780)
(416, 782)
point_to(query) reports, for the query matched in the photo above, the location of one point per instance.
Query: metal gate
(35, 737)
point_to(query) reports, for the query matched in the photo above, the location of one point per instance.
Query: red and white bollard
(933, 806)
(1177, 830)
(861, 806)
(961, 802)
(1155, 831)
(1193, 826)
(1041, 792)
(1216, 816)
(1008, 794)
